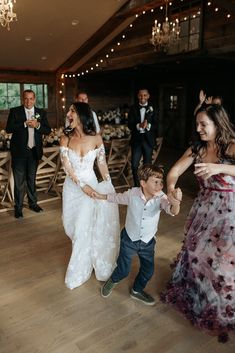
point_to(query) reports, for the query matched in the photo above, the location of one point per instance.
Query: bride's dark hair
(86, 117)
(225, 131)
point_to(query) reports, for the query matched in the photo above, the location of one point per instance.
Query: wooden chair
(157, 148)
(46, 171)
(58, 179)
(6, 197)
(117, 162)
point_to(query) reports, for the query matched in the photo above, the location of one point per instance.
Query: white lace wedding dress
(92, 225)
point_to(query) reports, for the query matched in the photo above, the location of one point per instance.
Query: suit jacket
(19, 140)
(134, 118)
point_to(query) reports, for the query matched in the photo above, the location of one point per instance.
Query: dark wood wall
(183, 78)
(134, 64)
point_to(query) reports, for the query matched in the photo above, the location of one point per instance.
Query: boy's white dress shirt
(142, 216)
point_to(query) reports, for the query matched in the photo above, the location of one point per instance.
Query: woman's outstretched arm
(179, 168)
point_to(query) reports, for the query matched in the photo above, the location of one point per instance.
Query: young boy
(137, 238)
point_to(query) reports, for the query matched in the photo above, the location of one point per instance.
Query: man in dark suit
(27, 124)
(142, 121)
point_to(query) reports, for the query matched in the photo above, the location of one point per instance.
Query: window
(10, 94)
(173, 102)
(189, 39)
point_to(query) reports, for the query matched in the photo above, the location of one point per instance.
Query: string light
(123, 36)
(62, 91)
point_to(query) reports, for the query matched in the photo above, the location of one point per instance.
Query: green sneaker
(143, 297)
(107, 288)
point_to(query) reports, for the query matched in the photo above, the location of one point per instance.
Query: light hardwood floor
(40, 315)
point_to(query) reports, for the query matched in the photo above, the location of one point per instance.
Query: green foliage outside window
(10, 94)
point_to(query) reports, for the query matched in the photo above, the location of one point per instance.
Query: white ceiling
(53, 37)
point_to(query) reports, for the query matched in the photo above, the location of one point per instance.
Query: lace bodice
(81, 168)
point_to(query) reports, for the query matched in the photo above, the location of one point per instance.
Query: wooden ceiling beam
(136, 6)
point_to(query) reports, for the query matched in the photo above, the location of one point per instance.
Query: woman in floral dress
(203, 283)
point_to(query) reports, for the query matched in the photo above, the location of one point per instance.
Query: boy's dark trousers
(128, 249)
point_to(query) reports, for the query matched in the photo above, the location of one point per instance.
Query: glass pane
(194, 25)
(3, 102)
(184, 44)
(194, 42)
(183, 28)
(13, 89)
(45, 96)
(27, 86)
(13, 102)
(39, 102)
(39, 91)
(3, 89)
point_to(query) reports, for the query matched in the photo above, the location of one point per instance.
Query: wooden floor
(38, 314)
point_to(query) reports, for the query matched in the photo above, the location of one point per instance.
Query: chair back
(6, 197)
(117, 162)
(47, 169)
(157, 149)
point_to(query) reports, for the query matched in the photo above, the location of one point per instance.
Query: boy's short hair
(148, 170)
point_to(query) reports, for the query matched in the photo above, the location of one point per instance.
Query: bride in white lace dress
(93, 226)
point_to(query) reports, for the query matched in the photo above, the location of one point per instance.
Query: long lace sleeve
(67, 165)
(102, 165)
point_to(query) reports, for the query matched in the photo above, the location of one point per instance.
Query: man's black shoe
(36, 208)
(18, 213)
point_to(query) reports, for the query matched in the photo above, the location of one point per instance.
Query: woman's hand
(206, 170)
(208, 100)
(88, 190)
(202, 96)
(98, 196)
(175, 196)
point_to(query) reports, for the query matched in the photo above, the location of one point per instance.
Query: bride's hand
(88, 190)
(98, 196)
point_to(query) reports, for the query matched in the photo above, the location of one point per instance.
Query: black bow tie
(143, 106)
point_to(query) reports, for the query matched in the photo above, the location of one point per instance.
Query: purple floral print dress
(203, 283)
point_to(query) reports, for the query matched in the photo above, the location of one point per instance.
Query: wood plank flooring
(40, 315)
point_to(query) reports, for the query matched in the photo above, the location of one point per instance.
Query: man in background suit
(27, 124)
(142, 121)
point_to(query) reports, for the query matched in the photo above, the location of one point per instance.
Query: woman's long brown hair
(225, 132)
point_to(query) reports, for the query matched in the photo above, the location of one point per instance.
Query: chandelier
(6, 13)
(164, 34)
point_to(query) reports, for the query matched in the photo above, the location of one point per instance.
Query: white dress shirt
(142, 216)
(29, 114)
